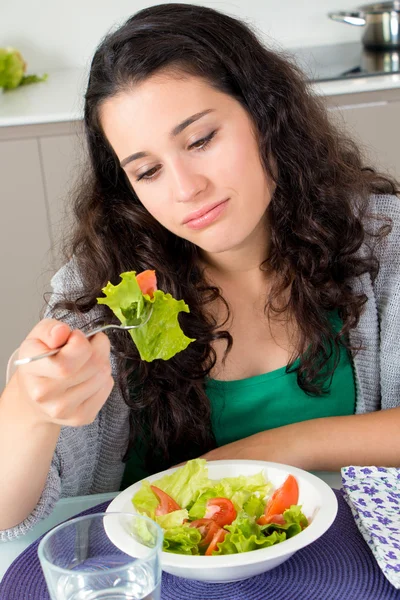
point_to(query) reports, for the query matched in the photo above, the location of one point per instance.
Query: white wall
(55, 33)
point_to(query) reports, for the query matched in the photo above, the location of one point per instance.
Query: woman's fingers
(46, 335)
(89, 409)
(69, 387)
(93, 393)
(71, 358)
(99, 359)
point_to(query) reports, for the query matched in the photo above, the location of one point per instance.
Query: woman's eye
(203, 143)
(148, 175)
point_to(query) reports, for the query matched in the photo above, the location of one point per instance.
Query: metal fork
(24, 361)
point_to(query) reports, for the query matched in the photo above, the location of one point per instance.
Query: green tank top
(244, 407)
(247, 406)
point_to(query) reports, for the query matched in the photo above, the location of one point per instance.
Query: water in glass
(137, 583)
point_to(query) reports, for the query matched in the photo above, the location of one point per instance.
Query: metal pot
(386, 61)
(381, 22)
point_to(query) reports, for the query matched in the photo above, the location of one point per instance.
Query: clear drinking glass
(81, 562)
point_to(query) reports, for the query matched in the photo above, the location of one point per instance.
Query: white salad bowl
(318, 501)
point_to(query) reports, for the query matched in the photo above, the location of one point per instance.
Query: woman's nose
(187, 182)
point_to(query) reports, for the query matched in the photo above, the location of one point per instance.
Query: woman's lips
(206, 217)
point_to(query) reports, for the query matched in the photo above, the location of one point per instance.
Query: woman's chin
(217, 247)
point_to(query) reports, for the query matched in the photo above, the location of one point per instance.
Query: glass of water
(103, 556)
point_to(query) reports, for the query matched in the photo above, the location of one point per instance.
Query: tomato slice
(147, 281)
(208, 528)
(217, 539)
(220, 510)
(283, 498)
(167, 504)
(278, 519)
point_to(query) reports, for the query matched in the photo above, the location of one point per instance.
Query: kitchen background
(42, 148)
(64, 34)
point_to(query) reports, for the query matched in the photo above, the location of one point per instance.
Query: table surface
(68, 507)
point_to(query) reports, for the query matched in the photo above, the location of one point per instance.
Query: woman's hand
(71, 387)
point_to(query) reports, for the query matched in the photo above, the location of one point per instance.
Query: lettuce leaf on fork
(161, 336)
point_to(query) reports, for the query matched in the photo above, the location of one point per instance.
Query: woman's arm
(325, 444)
(27, 446)
(69, 389)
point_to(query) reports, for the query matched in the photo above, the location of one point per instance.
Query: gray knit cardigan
(88, 459)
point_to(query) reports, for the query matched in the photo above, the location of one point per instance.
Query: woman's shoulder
(67, 284)
(385, 207)
(382, 220)
(67, 280)
(385, 212)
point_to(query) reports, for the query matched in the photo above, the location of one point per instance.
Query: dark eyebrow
(132, 157)
(179, 128)
(176, 131)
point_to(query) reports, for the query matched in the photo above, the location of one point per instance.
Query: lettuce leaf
(252, 483)
(161, 336)
(198, 509)
(184, 486)
(141, 529)
(242, 491)
(254, 506)
(145, 501)
(172, 519)
(295, 521)
(245, 535)
(182, 540)
(294, 515)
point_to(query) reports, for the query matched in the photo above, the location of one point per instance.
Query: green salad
(137, 301)
(201, 516)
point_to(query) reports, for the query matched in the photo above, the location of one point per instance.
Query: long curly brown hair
(317, 218)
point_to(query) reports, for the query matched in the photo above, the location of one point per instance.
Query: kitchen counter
(356, 85)
(60, 98)
(57, 100)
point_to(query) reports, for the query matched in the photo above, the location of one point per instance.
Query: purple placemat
(338, 566)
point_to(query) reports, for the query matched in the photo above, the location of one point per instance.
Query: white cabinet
(63, 159)
(38, 168)
(24, 243)
(372, 119)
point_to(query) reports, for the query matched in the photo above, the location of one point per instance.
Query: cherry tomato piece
(217, 539)
(278, 519)
(283, 498)
(220, 510)
(147, 282)
(167, 504)
(208, 528)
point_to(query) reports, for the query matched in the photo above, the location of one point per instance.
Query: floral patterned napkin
(373, 494)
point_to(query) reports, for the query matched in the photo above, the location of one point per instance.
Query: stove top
(343, 61)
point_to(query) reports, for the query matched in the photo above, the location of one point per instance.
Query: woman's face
(191, 155)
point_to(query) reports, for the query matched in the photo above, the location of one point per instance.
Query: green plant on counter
(12, 70)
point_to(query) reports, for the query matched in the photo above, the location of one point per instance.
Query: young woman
(212, 163)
